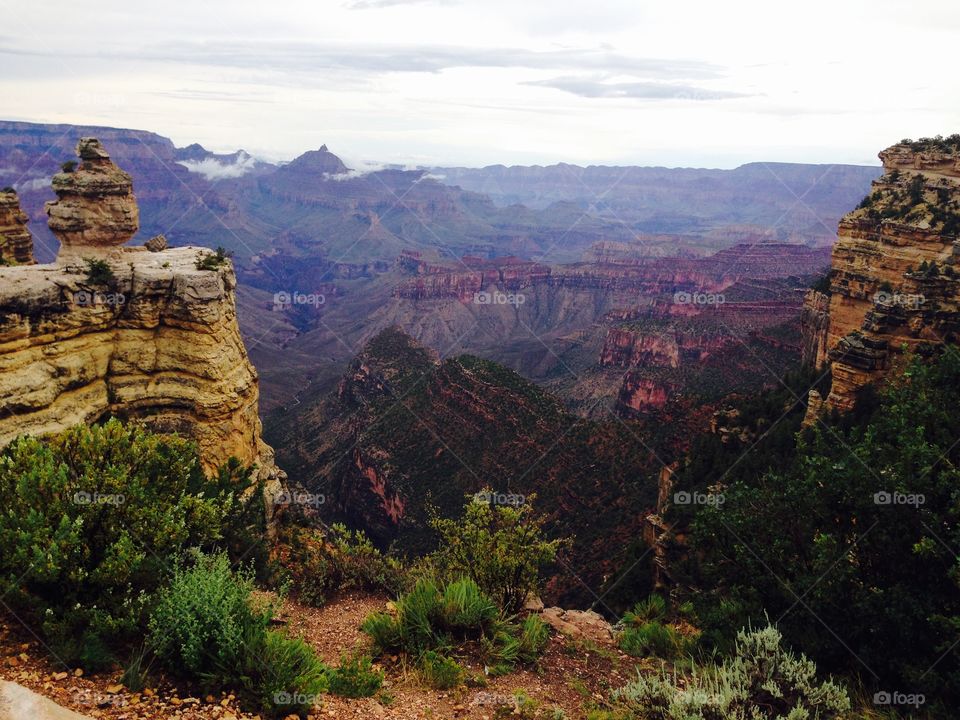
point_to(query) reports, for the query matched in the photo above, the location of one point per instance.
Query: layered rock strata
(16, 242)
(95, 210)
(893, 286)
(135, 334)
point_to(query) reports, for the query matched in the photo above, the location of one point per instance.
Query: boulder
(19, 703)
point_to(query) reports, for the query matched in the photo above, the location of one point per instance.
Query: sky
(462, 82)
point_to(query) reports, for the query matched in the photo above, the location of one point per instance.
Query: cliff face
(154, 339)
(893, 284)
(16, 242)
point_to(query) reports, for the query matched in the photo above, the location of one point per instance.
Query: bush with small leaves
(100, 273)
(214, 260)
(207, 627)
(439, 671)
(203, 620)
(500, 547)
(355, 677)
(761, 681)
(93, 518)
(319, 565)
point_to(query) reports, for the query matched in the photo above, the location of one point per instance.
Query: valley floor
(572, 674)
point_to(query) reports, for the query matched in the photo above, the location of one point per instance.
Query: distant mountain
(186, 206)
(799, 201)
(411, 247)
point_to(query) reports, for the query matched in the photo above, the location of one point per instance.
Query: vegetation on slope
(844, 534)
(425, 433)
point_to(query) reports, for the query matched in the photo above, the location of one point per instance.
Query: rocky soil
(579, 668)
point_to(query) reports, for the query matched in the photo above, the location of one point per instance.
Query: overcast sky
(446, 82)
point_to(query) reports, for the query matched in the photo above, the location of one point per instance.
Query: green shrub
(900, 623)
(464, 607)
(92, 520)
(440, 672)
(355, 678)
(534, 634)
(283, 675)
(500, 547)
(384, 631)
(762, 681)
(654, 639)
(69, 166)
(319, 565)
(645, 633)
(429, 619)
(206, 627)
(203, 621)
(654, 608)
(502, 651)
(212, 261)
(100, 273)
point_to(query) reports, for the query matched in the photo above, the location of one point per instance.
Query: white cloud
(39, 183)
(213, 169)
(476, 82)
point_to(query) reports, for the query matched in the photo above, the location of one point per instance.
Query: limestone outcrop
(893, 285)
(95, 209)
(143, 335)
(19, 703)
(16, 242)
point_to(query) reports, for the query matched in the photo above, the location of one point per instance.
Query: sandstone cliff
(893, 288)
(136, 334)
(16, 242)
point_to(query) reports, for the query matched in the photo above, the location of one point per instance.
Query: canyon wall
(893, 287)
(16, 242)
(138, 333)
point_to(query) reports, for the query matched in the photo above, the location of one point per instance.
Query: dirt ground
(571, 674)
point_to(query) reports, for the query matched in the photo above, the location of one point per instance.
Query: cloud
(213, 169)
(39, 183)
(212, 96)
(640, 89)
(308, 57)
(379, 4)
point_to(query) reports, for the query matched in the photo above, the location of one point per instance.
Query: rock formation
(134, 334)
(95, 210)
(19, 703)
(893, 287)
(16, 242)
